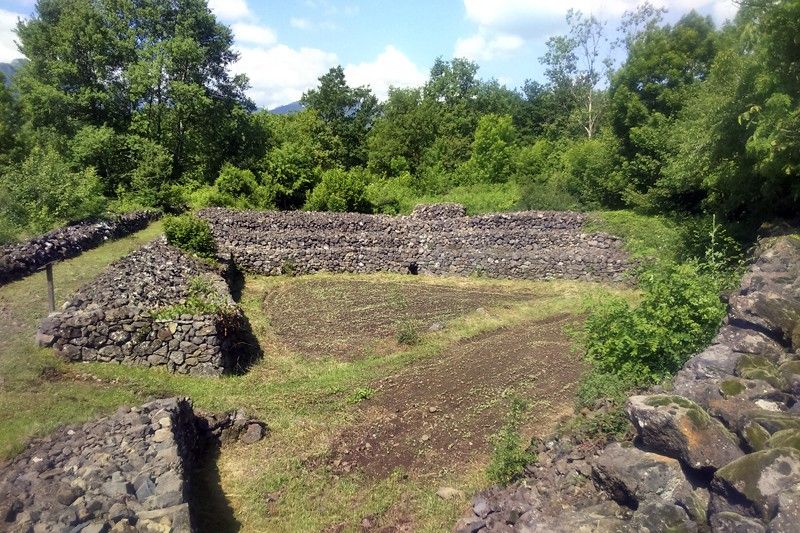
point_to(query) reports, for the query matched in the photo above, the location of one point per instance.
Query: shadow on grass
(211, 510)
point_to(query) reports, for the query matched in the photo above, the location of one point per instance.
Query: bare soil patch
(348, 319)
(439, 414)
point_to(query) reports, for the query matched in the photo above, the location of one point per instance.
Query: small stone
(162, 435)
(68, 494)
(253, 433)
(113, 489)
(449, 493)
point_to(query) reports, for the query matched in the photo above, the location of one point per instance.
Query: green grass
(478, 199)
(645, 236)
(306, 401)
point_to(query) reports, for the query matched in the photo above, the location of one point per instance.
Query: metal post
(51, 291)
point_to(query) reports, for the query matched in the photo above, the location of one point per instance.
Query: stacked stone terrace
(437, 239)
(118, 316)
(24, 258)
(129, 471)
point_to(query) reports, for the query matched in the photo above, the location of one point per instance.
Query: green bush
(203, 299)
(479, 198)
(547, 196)
(391, 196)
(679, 314)
(191, 234)
(509, 457)
(341, 191)
(44, 192)
(236, 182)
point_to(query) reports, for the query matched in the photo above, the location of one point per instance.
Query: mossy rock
(760, 478)
(759, 367)
(731, 387)
(774, 422)
(677, 427)
(786, 438)
(789, 369)
(755, 436)
(699, 417)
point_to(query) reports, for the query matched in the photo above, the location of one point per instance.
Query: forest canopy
(111, 111)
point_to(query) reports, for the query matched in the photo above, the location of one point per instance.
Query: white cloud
(515, 14)
(280, 74)
(306, 24)
(253, 34)
(8, 23)
(392, 68)
(229, 10)
(300, 23)
(483, 46)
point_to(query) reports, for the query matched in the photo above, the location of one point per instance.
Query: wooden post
(51, 291)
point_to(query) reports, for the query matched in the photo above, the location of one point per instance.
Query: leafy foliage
(678, 315)
(203, 299)
(341, 190)
(191, 234)
(509, 456)
(44, 192)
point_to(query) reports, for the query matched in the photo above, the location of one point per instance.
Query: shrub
(509, 458)
(236, 182)
(203, 299)
(391, 196)
(44, 192)
(547, 196)
(341, 191)
(191, 234)
(678, 315)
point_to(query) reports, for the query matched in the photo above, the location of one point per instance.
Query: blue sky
(286, 45)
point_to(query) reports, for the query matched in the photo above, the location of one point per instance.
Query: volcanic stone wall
(24, 258)
(129, 471)
(435, 239)
(719, 452)
(132, 314)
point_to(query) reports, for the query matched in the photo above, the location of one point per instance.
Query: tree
(575, 68)
(349, 113)
(154, 68)
(9, 124)
(493, 151)
(737, 140)
(304, 147)
(341, 191)
(401, 134)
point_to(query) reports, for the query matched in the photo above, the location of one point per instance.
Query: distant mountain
(9, 69)
(288, 109)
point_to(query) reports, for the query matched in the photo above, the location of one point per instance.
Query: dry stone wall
(129, 471)
(719, 452)
(134, 313)
(22, 259)
(436, 239)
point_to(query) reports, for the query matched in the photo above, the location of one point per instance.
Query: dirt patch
(441, 413)
(352, 318)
